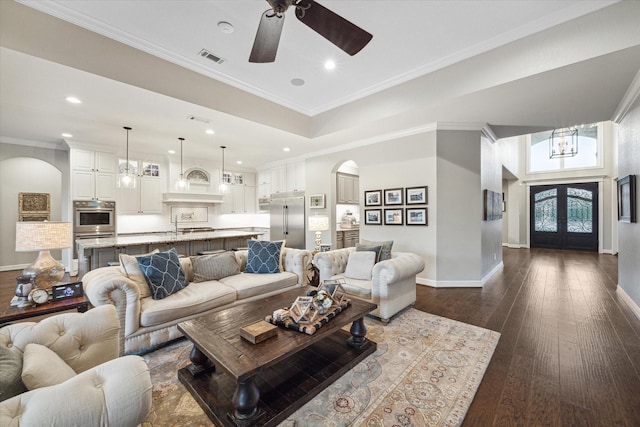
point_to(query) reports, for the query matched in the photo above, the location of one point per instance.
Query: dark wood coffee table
(242, 384)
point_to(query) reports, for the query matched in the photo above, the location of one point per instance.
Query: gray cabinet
(351, 238)
(348, 189)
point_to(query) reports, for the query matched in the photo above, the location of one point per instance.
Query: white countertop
(168, 237)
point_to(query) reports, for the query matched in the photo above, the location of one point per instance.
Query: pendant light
(127, 180)
(224, 187)
(563, 143)
(182, 184)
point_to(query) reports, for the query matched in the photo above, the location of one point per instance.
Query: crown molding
(38, 144)
(630, 96)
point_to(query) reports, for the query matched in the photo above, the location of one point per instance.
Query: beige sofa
(147, 323)
(392, 285)
(107, 390)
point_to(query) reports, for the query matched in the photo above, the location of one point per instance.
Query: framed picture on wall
(393, 196)
(627, 199)
(373, 198)
(394, 216)
(317, 201)
(373, 216)
(416, 195)
(416, 216)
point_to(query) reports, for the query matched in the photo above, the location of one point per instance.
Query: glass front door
(565, 216)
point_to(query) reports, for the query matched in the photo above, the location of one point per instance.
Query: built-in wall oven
(93, 219)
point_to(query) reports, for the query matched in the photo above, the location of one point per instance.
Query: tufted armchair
(107, 390)
(392, 285)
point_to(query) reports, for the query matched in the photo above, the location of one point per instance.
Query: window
(589, 147)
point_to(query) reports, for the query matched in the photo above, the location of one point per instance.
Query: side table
(10, 314)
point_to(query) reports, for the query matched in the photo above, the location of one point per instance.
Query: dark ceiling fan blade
(344, 34)
(265, 46)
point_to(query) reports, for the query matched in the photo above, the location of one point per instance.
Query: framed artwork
(492, 205)
(373, 198)
(627, 199)
(394, 216)
(393, 196)
(373, 216)
(416, 195)
(34, 204)
(317, 201)
(150, 169)
(325, 247)
(416, 216)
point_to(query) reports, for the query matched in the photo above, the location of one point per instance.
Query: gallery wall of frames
(396, 206)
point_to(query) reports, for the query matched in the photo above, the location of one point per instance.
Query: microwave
(94, 216)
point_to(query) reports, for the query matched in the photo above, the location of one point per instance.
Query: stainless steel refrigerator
(286, 216)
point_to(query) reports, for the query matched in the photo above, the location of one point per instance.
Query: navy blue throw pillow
(163, 273)
(263, 257)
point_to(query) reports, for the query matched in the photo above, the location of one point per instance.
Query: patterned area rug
(425, 372)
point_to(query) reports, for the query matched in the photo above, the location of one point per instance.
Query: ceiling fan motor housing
(280, 6)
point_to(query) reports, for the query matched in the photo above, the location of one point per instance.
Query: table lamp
(43, 236)
(318, 223)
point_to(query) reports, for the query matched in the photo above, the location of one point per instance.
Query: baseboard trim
(630, 302)
(460, 283)
(14, 267)
(514, 246)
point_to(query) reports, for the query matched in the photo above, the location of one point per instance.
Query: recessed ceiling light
(225, 27)
(330, 65)
(297, 82)
(286, 149)
(239, 162)
(210, 131)
(172, 151)
(73, 100)
(67, 135)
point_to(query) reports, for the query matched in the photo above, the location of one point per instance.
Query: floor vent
(210, 56)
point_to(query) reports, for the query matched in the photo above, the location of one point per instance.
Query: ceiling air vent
(210, 56)
(199, 119)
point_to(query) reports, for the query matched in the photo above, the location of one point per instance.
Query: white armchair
(393, 282)
(107, 390)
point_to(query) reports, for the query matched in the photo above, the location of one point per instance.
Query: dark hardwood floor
(569, 351)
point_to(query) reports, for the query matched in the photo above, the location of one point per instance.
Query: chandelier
(563, 143)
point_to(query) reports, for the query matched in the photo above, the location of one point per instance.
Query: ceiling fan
(342, 33)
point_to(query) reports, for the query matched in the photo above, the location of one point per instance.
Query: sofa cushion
(263, 257)
(360, 265)
(195, 298)
(385, 253)
(130, 268)
(42, 367)
(163, 273)
(355, 287)
(249, 284)
(10, 372)
(370, 248)
(214, 267)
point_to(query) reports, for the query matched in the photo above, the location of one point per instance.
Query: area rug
(425, 372)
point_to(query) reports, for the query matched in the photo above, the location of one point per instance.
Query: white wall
(629, 233)
(404, 162)
(34, 170)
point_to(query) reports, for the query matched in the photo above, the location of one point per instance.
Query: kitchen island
(94, 253)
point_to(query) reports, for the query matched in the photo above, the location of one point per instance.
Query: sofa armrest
(82, 340)
(401, 266)
(115, 393)
(332, 262)
(297, 261)
(106, 285)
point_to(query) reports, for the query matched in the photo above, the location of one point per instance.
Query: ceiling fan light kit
(333, 27)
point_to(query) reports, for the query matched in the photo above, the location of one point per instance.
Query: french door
(564, 216)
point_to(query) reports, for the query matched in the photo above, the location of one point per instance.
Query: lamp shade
(318, 223)
(39, 236)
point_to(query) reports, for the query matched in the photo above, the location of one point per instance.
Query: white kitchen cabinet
(295, 176)
(348, 189)
(279, 179)
(240, 199)
(93, 175)
(146, 197)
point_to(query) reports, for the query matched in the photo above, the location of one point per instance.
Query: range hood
(192, 198)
